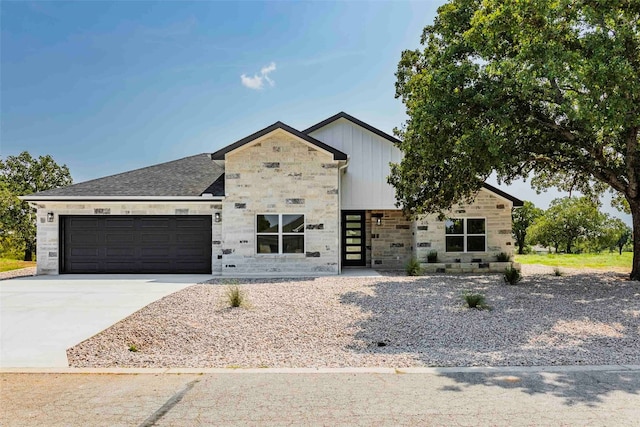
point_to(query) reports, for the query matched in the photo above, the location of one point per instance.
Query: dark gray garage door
(136, 244)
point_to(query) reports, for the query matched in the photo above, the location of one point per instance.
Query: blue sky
(106, 87)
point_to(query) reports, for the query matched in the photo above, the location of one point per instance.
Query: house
(280, 201)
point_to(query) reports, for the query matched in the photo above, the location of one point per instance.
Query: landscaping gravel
(20, 272)
(580, 318)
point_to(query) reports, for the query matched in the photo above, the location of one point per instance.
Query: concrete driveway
(40, 317)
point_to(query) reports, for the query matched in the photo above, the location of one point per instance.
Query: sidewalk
(467, 396)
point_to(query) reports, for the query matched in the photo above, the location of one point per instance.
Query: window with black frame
(466, 235)
(280, 233)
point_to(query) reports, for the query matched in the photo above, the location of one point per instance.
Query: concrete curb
(372, 370)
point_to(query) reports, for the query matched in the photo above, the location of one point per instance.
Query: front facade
(279, 202)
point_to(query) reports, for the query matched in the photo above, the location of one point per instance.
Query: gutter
(116, 199)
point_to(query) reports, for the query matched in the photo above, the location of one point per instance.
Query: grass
(601, 261)
(475, 300)
(235, 297)
(512, 276)
(413, 267)
(14, 264)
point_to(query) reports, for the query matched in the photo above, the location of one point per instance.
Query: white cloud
(257, 81)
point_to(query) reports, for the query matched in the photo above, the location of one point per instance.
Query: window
(466, 235)
(280, 234)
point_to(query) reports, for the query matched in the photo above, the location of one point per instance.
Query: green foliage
(432, 257)
(22, 175)
(503, 257)
(235, 296)
(133, 348)
(568, 221)
(413, 267)
(522, 218)
(521, 88)
(475, 300)
(614, 235)
(7, 264)
(512, 275)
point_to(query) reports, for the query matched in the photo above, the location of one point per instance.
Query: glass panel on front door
(353, 247)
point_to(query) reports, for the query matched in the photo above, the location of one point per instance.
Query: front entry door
(353, 238)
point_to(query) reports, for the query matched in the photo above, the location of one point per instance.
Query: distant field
(603, 261)
(14, 264)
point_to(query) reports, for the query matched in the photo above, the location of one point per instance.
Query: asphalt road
(596, 396)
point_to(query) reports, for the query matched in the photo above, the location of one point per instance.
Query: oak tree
(542, 89)
(21, 175)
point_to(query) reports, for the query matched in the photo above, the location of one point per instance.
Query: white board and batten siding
(364, 184)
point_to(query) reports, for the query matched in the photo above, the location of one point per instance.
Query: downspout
(340, 169)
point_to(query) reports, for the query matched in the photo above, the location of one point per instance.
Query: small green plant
(133, 348)
(432, 257)
(413, 267)
(503, 257)
(557, 272)
(512, 275)
(235, 296)
(475, 300)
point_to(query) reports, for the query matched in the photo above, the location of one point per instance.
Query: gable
(274, 128)
(355, 121)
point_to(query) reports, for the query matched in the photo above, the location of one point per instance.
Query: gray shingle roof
(190, 176)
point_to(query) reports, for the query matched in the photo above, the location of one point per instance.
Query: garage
(135, 244)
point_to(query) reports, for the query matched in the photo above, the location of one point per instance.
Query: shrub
(512, 275)
(413, 267)
(503, 257)
(557, 272)
(133, 348)
(235, 296)
(432, 257)
(475, 300)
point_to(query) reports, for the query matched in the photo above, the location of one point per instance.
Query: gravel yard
(581, 318)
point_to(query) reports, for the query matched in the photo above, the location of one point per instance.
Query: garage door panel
(136, 244)
(154, 238)
(119, 238)
(87, 222)
(84, 252)
(88, 267)
(120, 252)
(84, 238)
(154, 223)
(190, 252)
(128, 223)
(120, 266)
(156, 252)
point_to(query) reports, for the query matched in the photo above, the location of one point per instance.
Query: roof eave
(343, 115)
(121, 198)
(220, 154)
(516, 202)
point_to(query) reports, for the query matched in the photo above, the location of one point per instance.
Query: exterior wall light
(217, 217)
(49, 216)
(378, 217)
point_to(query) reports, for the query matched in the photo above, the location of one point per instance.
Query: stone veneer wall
(280, 174)
(429, 233)
(391, 242)
(48, 245)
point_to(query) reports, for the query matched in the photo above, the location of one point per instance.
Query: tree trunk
(635, 218)
(28, 254)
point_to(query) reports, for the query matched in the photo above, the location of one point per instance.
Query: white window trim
(280, 234)
(464, 235)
